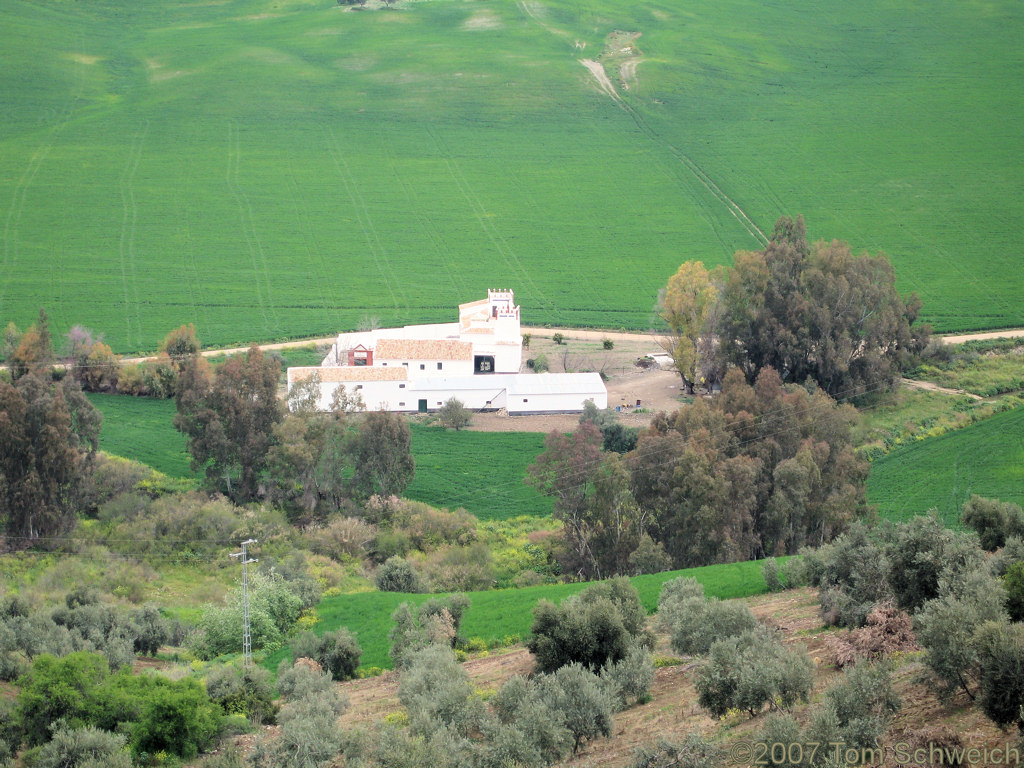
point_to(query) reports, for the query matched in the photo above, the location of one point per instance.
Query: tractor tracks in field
(427, 225)
(260, 268)
(482, 216)
(365, 220)
(608, 88)
(126, 245)
(24, 183)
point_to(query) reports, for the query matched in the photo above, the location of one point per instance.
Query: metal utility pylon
(246, 634)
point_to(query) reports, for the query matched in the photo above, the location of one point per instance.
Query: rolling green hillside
(284, 169)
(942, 472)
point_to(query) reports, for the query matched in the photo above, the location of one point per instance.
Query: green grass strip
(497, 614)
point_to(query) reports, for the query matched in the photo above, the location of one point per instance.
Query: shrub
(337, 652)
(218, 631)
(151, 630)
(782, 728)
(454, 415)
(629, 679)
(607, 344)
(857, 709)
(770, 571)
(795, 572)
(558, 338)
(1000, 648)
(343, 537)
(648, 557)
(110, 478)
(462, 569)
(247, 691)
(693, 752)
(1013, 583)
(921, 551)
(577, 693)
(396, 747)
(57, 688)
(540, 364)
(13, 661)
(674, 595)
(228, 757)
(699, 623)
(396, 575)
(83, 748)
(178, 718)
(751, 670)
(302, 679)
(406, 635)
(454, 607)
(993, 520)
(529, 729)
(592, 628)
(309, 733)
(437, 621)
(429, 528)
(945, 629)
(436, 692)
(852, 573)
(1012, 552)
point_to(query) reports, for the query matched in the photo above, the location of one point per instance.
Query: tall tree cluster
(229, 417)
(760, 470)
(252, 446)
(808, 311)
(48, 435)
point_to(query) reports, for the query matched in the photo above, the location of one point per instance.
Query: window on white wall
(439, 366)
(400, 405)
(401, 386)
(423, 366)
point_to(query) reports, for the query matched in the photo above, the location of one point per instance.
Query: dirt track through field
(570, 333)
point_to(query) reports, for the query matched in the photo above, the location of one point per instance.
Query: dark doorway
(483, 364)
(423, 406)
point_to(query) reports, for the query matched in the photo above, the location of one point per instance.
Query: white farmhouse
(477, 360)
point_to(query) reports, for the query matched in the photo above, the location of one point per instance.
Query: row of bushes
(151, 713)
(957, 596)
(82, 624)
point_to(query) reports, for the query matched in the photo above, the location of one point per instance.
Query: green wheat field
(943, 472)
(273, 169)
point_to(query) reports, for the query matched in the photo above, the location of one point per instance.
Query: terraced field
(271, 170)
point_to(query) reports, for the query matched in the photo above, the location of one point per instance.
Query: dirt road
(582, 334)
